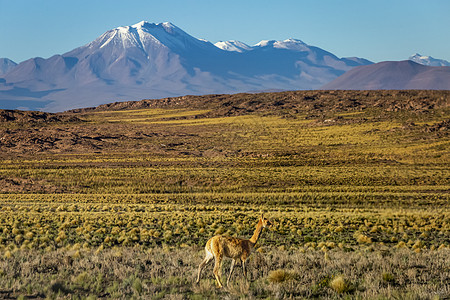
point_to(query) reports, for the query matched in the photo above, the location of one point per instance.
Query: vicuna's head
(264, 221)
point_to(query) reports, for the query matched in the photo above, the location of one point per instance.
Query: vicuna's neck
(257, 233)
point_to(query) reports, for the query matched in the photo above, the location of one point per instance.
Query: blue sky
(377, 30)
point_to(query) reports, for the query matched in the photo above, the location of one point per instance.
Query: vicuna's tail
(208, 247)
(209, 256)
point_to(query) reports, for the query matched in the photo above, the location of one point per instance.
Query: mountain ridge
(156, 60)
(388, 75)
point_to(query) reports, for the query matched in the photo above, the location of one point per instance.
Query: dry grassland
(118, 201)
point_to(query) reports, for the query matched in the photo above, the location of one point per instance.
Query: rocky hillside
(118, 127)
(19, 116)
(290, 102)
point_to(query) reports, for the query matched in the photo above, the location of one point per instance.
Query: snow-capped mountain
(149, 60)
(6, 65)
(429, 61)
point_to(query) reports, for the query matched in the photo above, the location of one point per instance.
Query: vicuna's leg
(207, 259)
(244, 270)
(231, 270)
(217, 267)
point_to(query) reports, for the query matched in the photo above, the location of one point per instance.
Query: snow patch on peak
(294, 41)
(234, 46)
(428, 60)
(169, 27)
(418, 56)
(290, 44)
(123, 29)
(265, 43)
(135, 36)
(145, 35)
(140, 24)
(166, 26)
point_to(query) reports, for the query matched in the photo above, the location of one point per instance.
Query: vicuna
(237, 249)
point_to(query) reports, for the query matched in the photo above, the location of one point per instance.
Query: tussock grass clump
(340, 285)
(401, 244)
(7, 254)
(279, 276)
(363, 239)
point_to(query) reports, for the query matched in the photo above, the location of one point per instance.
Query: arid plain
(118, 201)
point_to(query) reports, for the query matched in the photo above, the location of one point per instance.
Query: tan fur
(221, 246)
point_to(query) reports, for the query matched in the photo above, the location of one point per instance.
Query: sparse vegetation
(108, 203)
